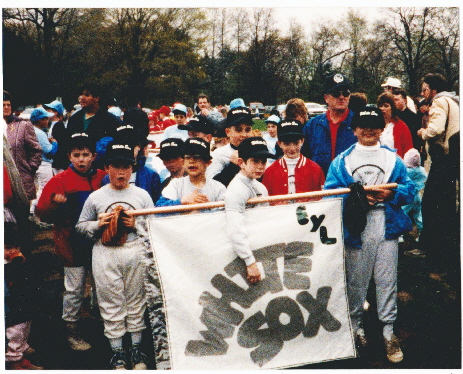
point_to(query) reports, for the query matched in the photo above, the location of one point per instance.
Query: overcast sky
(306, 12)
(307, 17)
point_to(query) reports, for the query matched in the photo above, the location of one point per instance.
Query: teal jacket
(397, 222)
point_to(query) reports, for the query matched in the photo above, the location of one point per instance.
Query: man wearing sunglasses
(329, 134)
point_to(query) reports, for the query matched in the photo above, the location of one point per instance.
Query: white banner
(298, 314)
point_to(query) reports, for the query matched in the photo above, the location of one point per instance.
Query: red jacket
(402, 137)
(64, 216)
(309, 177)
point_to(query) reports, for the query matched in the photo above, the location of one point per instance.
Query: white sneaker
(393, 352)
(77, 343)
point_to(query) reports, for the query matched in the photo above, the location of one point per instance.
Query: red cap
(165, 110)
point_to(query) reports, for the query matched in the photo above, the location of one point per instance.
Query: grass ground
(428, 324)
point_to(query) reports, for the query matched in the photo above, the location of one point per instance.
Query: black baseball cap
(239, 115)
(117, 152)
(289, 130)
(128, 133)
(171, 148)
(255, 146)
(198, 123)
(198, 147)
(336, 82)
(81, 140)
(368, 117)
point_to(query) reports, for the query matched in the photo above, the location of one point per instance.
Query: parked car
(257, 109)
(314, 109)
(26, 113)
(281, 108)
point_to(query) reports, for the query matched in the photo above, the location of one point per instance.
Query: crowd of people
(80, 176)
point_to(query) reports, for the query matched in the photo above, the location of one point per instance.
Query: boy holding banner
(116, 260)
(194, 188)
(374, 252)
(252, 159)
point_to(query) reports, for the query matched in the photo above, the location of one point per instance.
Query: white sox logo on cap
(338, 78)
(121, 146)
(79, 134)
(194, 141)
(289, 124)
(125, 127)
(237, 111)
(169, 145)
(366, 113)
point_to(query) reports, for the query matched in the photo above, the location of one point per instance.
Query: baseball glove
(115, 233)
(356, 208)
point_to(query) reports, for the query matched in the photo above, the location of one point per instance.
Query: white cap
(180, 108)
(393, 82)
(273, 118)
(116, 111)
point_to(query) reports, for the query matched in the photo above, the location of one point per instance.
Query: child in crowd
(194, 188)
(61, 204)
(40, 118)
(164, 120)
(118, 266)
(199, 127)
(59, 133)
(374, 252)
(253, 153)
(418, 176)
(171, 153)
(19, 302)
(293, 173)
(143, 174)
(225, 159)
(271, 137)
(180, 114)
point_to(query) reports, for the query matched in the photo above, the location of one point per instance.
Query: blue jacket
(317, 139)
(147, 178)
(397, 222)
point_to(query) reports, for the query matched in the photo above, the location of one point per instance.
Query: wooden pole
(256, 200)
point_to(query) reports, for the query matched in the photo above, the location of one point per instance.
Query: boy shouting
(117, 264)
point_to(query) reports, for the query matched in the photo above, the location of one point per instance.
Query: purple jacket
(26, 151)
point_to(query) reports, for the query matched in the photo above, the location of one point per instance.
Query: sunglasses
(336, 94)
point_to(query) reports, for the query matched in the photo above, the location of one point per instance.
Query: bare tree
(409, 30)
(355, 27)
(241, 25)
(445, 39)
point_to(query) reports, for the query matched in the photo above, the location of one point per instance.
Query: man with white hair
(392, 83)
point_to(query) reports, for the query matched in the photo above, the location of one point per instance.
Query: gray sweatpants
(377, 257)
(119, 277)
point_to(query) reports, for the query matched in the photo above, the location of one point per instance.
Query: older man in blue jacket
(329, 134)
